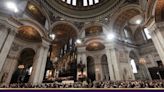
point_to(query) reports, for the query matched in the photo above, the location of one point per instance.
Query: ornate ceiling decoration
(28, 33)
(159, 11)
(124, 18)
(95, 46)
(94, 30)
(63, 33)
(35, 12)
(81, 13)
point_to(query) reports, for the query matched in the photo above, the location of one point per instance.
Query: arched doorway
(133, 65)
(62, 59)
(90, 68)
(133, 59)
(24, 67)
(105, 68)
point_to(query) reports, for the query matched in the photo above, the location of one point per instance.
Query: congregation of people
(94, 84)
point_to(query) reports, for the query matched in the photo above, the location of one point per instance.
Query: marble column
(7, 45)
(3, 35)
(157, 35)
(39, 64)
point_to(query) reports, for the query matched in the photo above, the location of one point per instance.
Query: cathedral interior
(70, 41)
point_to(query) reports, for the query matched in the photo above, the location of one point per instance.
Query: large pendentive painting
(94, 30)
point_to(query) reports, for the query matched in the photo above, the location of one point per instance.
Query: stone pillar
(9, 66)
(115, 63)
(109, 60)
(3, 35)
(98, 67)
(12, 66)
(148, 76)
(39, 63)
(157, 34)
(6, 47)
(78, 61)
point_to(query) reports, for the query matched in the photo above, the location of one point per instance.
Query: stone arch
(133, 55)
(64, 22)
(135, 65)
(119, 20)
(91, 73)
(151, 8)
(29, 22)
(63, 45)
(24, 66)
(31, 51)
(139, 36)
(105, 68)
(123, 9)
(65, 32)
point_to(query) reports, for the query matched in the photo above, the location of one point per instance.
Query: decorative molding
(9, 24)
(91, 17)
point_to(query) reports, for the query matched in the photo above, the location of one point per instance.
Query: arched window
(30, 71)
(147, 33)
(68, 1)
(132, 62)
(74, 2)
(90, 2)
(85, 2)
(126, 33)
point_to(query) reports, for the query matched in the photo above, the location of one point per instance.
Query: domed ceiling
(76, 9)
